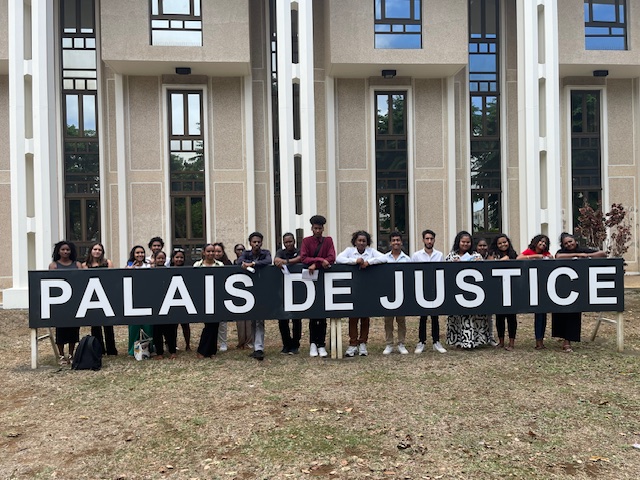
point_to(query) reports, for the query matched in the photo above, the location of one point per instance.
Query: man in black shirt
(289, 255)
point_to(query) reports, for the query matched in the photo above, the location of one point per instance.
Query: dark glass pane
(179, 218)
(69, 21)
(93, 220)
(74, 220)
(398, 115)
(400, 212)
(384, 214)
(197, 218)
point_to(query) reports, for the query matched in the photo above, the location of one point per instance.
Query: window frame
(192, 17)
(397, 26)
(589, 22)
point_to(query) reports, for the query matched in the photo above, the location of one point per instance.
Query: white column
(303, 74)
(121, 160)
(538, 119)
(46, 168)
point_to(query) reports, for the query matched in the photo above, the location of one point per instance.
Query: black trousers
(108, 341)
(208, 345)
(290, 338)
(317, 331)
(168, 333)
(512, 324)
(435, 329)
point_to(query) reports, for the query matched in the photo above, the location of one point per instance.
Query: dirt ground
(478, 414)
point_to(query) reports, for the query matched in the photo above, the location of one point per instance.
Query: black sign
(182, 295)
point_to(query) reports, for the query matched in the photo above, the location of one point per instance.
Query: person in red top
(317, 251)
(538, 250)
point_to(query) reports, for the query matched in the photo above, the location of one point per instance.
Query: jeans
(540, 325)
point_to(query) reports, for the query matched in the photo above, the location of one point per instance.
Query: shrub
(593, 226)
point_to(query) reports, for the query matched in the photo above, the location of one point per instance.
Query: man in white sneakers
(428, 254)
(396, 255)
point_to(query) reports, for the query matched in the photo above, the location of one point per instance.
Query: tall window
(186, 170)
(398, 23)
(80, 134)
(392, 185)
(605, 24)
(484, 92)
(586, 163)
(176, 23)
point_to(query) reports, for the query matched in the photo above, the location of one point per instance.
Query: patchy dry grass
(481, 414)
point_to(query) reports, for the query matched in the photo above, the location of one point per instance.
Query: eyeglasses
(178, 250)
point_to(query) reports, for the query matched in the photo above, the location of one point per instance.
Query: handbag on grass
(142, 346)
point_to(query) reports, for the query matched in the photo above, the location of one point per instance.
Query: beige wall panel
(321, 126)
(624, 190)
(260, 131)
(4, 122)
(444, 35)
(571, 42)
(621, 122)
(321, 206)
(429, 122)
(229, 214)
(258, 35)
(5, 234)
(125, 31)
(146, 212)
(431, 211)
(351, 128)
(145, 128)
(353, 212)
(113, 228)
(319, 44)
(227, 123)
(263, 223)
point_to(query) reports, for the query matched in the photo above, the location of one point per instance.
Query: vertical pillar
(34, 212)
(121, 160)
(539, 119)
(303, 74)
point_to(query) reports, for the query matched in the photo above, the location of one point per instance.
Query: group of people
(318, 252)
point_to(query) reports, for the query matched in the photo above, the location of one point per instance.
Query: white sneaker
(322, 352)
(493, 343)
(351, 351)
(439, 348)
(362, 350)
(419, 348)
(313, 350)
(388, 349)
(223, 347)
(402, 349)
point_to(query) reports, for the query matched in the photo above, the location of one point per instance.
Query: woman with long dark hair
(65, 257)
(208, 345)
(97, 259)
(137, 259)
(538, 250)
(178, 259)
(466, 331)
(502, 249)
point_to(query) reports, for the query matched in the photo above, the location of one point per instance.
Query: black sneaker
(294, 351)
(284, 351)
(258, 355)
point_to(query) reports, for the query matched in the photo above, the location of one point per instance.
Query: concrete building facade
(204, 120)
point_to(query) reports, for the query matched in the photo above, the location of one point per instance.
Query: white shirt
(422, 256)
(402, 258)
(370, 255)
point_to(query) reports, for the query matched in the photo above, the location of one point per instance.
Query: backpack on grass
(88, 354)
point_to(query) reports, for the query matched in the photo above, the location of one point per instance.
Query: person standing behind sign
(317, 252)
(97, 259)
(568, 325)
(256, 257)
(208, 346)
(362, 255)
(538, 250)
(65, 258)
(166, 331)
(466, 331)
(428, 254)
(178, 260)
(221, 256)
(137, 259)
(396, 255)
(501, 249)
(245, 338)
(289, 255)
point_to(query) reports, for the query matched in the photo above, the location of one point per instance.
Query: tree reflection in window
(392, 186)
(187, 170)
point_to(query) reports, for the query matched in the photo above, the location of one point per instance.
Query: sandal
(540, 347)
(567, 349)
(62, 361)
